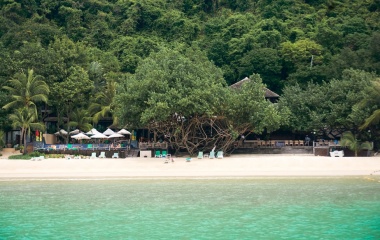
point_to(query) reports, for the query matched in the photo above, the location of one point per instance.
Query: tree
(80, 118)
(329, 106)
(26, 91)
(2, 143)
(102, 103)
(72, 93)
(372, 99)
(349, 140)
(25, 119)
(187, 90)
(190, 103)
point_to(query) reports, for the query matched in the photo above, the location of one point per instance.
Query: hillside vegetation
(84, 48)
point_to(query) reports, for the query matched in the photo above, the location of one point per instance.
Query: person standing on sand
(307, 140)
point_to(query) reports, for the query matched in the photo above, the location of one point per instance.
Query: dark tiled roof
(268, 92)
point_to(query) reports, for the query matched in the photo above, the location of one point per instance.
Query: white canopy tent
(74, 132)
(99, 135)
(115, 135)
(108, 132)
(123, 131)
(92, 132)
(80, 136)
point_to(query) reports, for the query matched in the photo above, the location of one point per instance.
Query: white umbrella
(108, 132)
(115, 135)
(92, 132)
(99, 135)
(123, 131)
(76, 131)
(80, 136)
(63, 132)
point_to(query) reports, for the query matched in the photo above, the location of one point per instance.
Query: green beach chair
(164, 153)
(158, 154)
(219, 154)
(200, 155)
(211, 155)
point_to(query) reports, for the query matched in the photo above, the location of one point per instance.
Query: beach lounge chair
(200, 155)
(211, 155)
(93, 155)
(337, 153)
(115, 155)
(37, 158)
(219, 154)
(102, 155)
(164, 153)
(70, 147)
(158, 154)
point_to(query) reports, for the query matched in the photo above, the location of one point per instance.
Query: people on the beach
(307, 140)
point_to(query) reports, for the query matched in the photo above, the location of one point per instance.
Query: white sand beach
(232, 166)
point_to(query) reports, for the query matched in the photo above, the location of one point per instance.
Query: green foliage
(80, 118)
(26, 91)
(372, 99)
(20, 157)
(25, 119)
(349, 140)
(102, 103)
(248, 107)
(87, 44)
(2, 143)
(331, 105)
(183, 83)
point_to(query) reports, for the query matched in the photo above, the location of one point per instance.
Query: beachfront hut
(269, 95)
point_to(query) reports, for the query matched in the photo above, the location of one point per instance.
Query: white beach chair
(115, 155)
(337, 153)
(102, 155)
(93, 155)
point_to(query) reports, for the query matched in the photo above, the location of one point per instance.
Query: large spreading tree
(182, 97)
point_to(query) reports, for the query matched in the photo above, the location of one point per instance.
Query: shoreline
(235, 166)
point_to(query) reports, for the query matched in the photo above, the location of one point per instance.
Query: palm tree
(373, 98)
(349, 140)
(26, 91)
(102, 105)
(80, 119)
(25, 119)
(2, 139)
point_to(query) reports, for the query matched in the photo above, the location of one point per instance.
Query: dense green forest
(90, 51)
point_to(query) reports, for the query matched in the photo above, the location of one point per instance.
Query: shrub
(36, 154)
(20, 157)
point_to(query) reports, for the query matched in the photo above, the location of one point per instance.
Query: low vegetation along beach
(232, 166)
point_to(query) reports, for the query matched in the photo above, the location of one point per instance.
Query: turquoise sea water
(253, 208)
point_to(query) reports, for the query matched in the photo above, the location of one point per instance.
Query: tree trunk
(24, 150)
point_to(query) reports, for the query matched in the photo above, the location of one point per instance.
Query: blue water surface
(249, 208)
